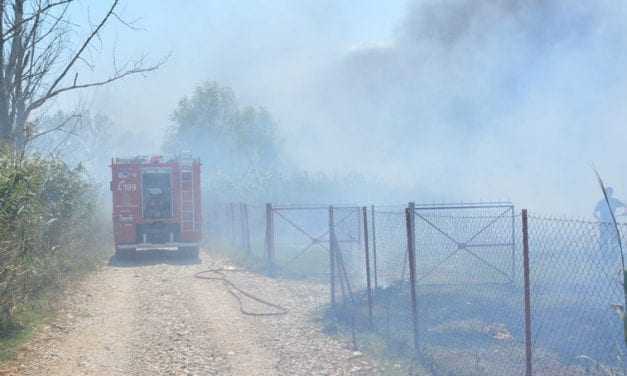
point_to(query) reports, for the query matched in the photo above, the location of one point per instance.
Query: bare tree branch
(129, 24)
(36, 65)
(80, 51)
(117, 76)
(56, 128)
(9, 33)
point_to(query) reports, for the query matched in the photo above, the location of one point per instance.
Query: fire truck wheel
(189, 252)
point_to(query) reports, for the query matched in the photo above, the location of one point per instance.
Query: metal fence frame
(276, 213)
(342, 292)
(468, 243)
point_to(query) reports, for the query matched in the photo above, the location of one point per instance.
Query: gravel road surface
(152, 317)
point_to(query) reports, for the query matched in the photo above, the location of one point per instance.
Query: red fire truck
(156, 204)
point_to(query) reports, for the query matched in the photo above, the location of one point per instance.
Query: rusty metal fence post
(348, 302)
(270, 239)
(412, 210)
(528, 345)
(367, 254)
(374, 247)
(332, 256)
(411, 258)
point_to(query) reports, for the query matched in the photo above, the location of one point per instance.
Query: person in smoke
(607, 232)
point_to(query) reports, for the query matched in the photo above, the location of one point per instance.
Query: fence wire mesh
(256, 215)
(239, 227)
(390, 241)
(301, 241)
(469, 308)
(468, 282)
(465, 244)
(577, 292)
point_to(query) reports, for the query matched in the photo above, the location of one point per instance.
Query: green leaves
(237, 145)
(48, 227)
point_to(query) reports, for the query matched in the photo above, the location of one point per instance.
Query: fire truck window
(156, 194)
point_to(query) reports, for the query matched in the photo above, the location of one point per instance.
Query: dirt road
(154, 318)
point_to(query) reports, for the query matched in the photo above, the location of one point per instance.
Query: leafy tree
(238, 145)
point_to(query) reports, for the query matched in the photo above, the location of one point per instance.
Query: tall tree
(37, 64)
(238, 145)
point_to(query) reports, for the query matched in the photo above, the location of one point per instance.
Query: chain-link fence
(448, 287)
(455, 305)
(465, 244)
(238, 228)
(576, 298)
(300, 246)
(469, 312)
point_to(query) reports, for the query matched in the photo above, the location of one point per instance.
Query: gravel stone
(152, 317)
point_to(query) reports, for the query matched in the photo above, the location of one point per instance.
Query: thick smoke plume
(482, 100)
(467, 100)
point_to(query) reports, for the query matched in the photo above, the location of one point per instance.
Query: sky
(233, 42)
(456, 100)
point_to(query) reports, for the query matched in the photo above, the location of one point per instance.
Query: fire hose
(219, 274)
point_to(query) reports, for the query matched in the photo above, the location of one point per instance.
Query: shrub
(50, 229)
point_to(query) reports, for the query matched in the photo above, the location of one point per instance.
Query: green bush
(50, 229)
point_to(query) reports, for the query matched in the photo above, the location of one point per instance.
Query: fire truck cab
(156, 204)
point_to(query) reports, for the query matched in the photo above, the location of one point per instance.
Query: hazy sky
(475, 99)
(237, 43)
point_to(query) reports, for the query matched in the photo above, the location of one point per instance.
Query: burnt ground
(478, 330)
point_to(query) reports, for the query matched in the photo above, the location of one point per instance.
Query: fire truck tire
(189, 252)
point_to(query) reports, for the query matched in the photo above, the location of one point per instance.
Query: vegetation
(50, 230)
(245, 159)
(37, 63)
(239, 144)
